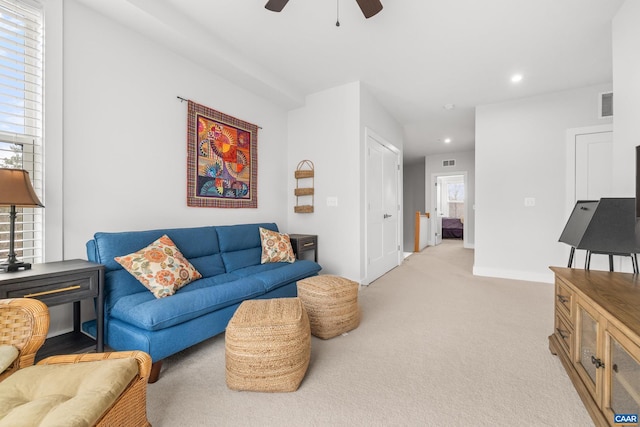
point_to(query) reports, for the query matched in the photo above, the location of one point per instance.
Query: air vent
(605, 105)
(447, 163)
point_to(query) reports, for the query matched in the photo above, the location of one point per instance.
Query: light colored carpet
(436, 347)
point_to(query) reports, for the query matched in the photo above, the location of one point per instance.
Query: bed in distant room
(452, 228)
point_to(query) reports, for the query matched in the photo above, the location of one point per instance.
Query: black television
(638, 196)
(637, 183)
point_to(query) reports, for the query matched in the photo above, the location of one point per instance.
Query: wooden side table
(56, 283)
(304, 242)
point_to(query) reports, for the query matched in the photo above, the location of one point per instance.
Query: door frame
(434, 201)
(368, 133)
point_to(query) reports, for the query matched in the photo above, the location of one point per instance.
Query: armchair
(24, 323)
(106, 389)
(93, 389)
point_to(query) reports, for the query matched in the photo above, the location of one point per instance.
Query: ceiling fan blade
(369, 7)
(276, 5)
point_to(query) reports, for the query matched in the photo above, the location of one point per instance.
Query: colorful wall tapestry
(222, 160)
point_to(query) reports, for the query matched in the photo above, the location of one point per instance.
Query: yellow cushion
(160, 267)
(276, 247)
(8, 354)
(70, 395)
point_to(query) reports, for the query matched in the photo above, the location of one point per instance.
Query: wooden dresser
(597, 338)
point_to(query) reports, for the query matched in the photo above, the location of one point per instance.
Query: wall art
(222, 160)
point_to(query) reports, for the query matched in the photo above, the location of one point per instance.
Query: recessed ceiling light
(449, 106)
(447, 140)
(516, 78)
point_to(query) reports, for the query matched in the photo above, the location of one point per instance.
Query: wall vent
(605, 105)
(447, 163)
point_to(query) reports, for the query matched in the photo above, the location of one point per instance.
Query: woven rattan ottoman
(331, 303)
(267, 345)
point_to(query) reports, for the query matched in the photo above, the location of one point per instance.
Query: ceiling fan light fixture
(368, 7)
(276, 5)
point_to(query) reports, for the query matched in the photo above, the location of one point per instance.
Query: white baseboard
(514, 274)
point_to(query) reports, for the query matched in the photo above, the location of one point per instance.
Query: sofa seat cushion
(274, 275)
(70, 395)
(210, 294)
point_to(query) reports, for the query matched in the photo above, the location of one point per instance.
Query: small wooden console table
(304, 242)
(56, 283)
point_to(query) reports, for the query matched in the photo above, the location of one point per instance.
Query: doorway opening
(449, 201)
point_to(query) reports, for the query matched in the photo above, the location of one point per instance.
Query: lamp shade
(16, 189)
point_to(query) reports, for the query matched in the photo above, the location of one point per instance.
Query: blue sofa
(228, 257)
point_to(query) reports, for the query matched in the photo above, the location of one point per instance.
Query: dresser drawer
(564, 332)
(56, 290)
(564, 300)
(306, 243)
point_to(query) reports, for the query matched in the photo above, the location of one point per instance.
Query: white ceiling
(415, 56)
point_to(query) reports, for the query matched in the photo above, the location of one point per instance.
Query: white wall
(414, 200)
(330, 131)
(520, 152)
(626, 98)
(125, 134)
(116, 137)
(465, 162)
(374, 117)
(326, 131)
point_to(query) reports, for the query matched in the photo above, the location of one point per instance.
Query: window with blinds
(21, 78)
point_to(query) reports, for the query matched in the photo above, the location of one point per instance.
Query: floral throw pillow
(160, 267)
(276, 247)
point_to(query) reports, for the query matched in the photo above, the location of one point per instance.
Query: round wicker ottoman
(331, 303)
(267, 345)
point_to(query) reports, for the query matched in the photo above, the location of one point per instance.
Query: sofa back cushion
(240, 244)
(198, 244)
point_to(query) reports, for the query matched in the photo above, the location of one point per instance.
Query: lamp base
(14, 266)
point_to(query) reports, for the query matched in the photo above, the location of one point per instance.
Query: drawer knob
(561, 333)
(563, 299)
(597, 362)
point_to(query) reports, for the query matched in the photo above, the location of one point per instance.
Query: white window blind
(21, 79)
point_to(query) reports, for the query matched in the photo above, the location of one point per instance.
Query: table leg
(100, 314)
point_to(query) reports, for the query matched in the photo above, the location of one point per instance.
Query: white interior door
(383, 209)
(436, 226)
(593, 180)
(594, 166)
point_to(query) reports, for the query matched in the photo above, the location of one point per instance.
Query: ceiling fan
(368, 7)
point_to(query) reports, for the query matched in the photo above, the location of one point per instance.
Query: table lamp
(16, 190)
